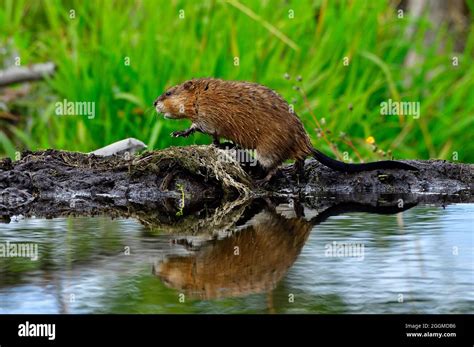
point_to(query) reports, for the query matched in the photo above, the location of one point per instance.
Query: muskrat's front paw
(178, 134)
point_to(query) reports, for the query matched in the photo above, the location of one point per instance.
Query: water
(417, 261)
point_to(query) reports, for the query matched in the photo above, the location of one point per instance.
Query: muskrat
(253, 117)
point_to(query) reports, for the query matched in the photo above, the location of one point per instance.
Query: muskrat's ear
(189, 85)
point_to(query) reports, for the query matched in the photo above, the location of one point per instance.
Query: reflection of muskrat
(254, 117)
(267, 247)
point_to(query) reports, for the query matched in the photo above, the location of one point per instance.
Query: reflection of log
(18, 74)
(263, 245)
(183, 179)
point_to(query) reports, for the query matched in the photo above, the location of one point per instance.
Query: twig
(323, 134)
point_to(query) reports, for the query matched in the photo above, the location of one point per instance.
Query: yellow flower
(370, 140)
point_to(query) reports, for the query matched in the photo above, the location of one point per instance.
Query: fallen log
(182, 180)
(17, 74)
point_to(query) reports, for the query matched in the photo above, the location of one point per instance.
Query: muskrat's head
(178, 101)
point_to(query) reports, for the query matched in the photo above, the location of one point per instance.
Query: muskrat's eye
(168, 93)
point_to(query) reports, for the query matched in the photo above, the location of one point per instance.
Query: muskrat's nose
(155, 103)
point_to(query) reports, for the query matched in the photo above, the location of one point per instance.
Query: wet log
(182, 180)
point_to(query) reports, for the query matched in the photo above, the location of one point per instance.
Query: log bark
(163, 186)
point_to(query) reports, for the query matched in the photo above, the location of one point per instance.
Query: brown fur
(249, 114)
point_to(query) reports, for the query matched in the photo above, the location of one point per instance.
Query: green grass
(90, 51)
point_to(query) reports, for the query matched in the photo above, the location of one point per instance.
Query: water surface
(417, 261)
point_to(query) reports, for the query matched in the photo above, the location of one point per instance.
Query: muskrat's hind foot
(255, 171)
(264, 181)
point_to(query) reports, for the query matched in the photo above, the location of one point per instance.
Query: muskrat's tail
(341, 166)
